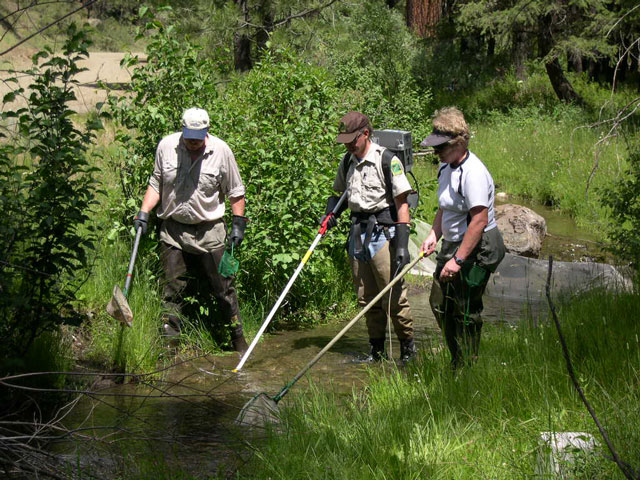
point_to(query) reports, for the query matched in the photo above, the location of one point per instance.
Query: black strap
(387, 156)
(381, 217)
(459, 183)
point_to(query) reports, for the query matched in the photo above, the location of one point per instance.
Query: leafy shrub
(46, 191)
(280, 120)
(624, 201)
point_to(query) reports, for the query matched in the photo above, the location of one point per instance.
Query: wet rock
(522, 229)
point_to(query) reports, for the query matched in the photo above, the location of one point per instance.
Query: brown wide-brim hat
(437, 137)
(350, 126)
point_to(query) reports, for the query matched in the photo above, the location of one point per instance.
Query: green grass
(543, 157)
(483, 422)
(549, 158)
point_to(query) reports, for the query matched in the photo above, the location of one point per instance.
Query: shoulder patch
(396, 167)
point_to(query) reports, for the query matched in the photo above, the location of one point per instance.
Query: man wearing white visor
(193, 174)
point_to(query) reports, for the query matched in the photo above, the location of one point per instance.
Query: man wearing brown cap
(377, 190)
(193, 173)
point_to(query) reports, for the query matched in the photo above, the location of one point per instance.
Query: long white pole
(322, 231)
(277, 304)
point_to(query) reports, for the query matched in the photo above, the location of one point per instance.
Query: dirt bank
(100, 67)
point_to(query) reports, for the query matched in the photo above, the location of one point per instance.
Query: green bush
(280, 120)
(624, 201)
(47, 189)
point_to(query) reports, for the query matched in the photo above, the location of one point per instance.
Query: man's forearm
(150, 200)
(402, 207)
(237, 206)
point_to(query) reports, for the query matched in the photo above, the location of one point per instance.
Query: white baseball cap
(195, 123)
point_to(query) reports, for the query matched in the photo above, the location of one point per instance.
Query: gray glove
(238, 225)
(402, 246)
(140, 221)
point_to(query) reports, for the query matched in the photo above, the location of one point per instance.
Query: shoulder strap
(440, 171)
(345, 164)
(387, 156)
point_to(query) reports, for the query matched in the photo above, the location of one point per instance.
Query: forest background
(550, 88)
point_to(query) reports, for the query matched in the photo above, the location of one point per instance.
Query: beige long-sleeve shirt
(193, 192)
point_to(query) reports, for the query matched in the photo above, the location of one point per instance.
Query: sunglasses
(440, 148)
(353, 142)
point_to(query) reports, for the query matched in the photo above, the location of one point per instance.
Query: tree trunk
(574, 63)
(491, 46)
(265, 12)
(563, 88)
(422, 16)
(242, 52)
(520, 54)
(241, 42)
(561, 85)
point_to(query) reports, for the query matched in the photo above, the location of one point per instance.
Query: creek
(184, 421)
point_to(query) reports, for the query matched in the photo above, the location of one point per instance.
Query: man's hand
(329, 216)
(449, 271)
(238, 226)
(141, 220)
(402, 246)
(330, 220)
(429, 244)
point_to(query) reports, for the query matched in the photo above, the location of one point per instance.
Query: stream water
(186, 419)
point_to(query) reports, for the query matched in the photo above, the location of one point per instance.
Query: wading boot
(171, 327)
(408, 350)
(239, 344)
(376, 351)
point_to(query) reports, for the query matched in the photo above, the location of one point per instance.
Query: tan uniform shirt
(365, 182)
(192, 193)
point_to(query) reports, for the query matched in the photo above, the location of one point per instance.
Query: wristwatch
(459, 261)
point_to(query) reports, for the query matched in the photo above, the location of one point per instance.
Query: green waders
(457, 304)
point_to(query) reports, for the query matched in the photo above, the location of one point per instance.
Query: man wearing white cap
(193, 173)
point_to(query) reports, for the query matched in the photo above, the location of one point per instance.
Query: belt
(368, 221)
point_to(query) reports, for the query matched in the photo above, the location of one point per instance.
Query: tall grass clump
(132, 349)
(549, 158)
(483, 421)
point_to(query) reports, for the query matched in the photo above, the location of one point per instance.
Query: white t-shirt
(459, 190)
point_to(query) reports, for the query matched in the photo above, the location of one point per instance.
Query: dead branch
(51, 24)
(625, 468)
(26, 437)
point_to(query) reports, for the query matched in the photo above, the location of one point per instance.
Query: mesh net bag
(229, 264)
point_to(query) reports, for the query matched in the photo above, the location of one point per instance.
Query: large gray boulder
(522, 229)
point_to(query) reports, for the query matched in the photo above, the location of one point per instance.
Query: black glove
(333, 219)
(402, 246)
(238, 226)
(140, 221)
